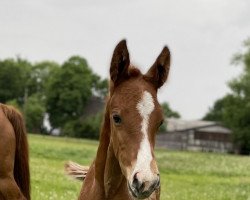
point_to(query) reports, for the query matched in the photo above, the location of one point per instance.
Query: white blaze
(144, 156)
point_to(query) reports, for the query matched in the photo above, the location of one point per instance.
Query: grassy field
(184, 175)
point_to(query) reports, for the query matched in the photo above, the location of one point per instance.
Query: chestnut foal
(125, 167)
(14, 162)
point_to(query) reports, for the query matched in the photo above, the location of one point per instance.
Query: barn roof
(180, 125)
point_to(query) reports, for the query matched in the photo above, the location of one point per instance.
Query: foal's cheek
(118, 143)
(126, 151)
(154, 167)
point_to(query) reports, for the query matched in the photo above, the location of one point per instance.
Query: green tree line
(61, 91)
(233, 110)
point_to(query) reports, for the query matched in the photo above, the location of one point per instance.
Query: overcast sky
(201, 34)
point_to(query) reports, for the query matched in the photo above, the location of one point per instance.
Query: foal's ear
(158, 73)
(120, 62)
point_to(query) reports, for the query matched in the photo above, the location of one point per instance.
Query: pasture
(184, 175)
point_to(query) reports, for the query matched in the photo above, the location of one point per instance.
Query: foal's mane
(133, 72)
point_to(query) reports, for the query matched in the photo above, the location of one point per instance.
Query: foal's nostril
(158, 183)
(143, 189)
(138, 185)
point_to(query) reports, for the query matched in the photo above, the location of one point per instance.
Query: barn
(195, 135)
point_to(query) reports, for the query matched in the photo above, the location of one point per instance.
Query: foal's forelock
(144, 155)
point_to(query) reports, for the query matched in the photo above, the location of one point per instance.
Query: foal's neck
(107, 169)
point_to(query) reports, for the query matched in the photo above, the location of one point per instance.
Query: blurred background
(54, 64)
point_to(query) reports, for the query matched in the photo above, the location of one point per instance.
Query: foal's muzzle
(143, 189)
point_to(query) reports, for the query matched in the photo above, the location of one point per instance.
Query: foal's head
(135, 116)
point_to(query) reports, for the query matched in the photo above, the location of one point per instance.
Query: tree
(168, 112)
(46, 87)
(233, 110)
(14, 104)
(238, 114)
(216, 112)
(13, 79)
(34, 111)
(100, 87)
(87, 128)
(68, 91)
(39, 77)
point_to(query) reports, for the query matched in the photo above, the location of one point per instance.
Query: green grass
(184, 175)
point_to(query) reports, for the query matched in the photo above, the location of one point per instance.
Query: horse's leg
(10, 190)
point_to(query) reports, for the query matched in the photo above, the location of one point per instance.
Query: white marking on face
(144, 156)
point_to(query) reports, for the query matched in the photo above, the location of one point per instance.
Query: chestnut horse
(125, 167)
(14, 158)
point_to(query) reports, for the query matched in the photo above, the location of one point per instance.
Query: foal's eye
(117, 119)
